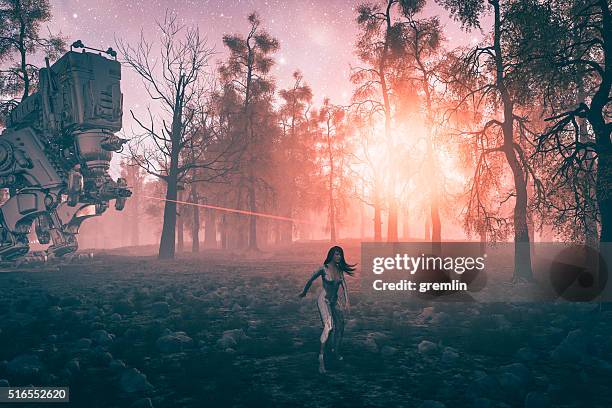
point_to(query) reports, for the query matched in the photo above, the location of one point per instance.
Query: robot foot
(12, 246)
(59, 251)
(69, 246)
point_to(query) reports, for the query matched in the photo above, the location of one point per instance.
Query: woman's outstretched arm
(314, 276)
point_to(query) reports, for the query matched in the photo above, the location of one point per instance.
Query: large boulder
(25, 365)
(133, 381)
(173, 342)
(427, 347)
(231, 338)
(573, 347)
(102, 337)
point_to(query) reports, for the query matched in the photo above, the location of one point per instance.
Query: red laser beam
(245, 212)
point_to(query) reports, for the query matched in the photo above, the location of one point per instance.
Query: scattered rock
(116, 365)
(381, 339)
(536, 399)
(482, 403)
(510, 383)
(449, 355)
(142, 403)
(432, 404)
(484, 385)
(427, 347)
(70, 301)
(83, 343)
(130, 333)
(25, 365)
(160, 309)
(103, 358)
(173, 342)
(55, 312)
(426, 315)
(572, 348)
(351, 324)
(231, 338)
(520, 371)
(501, 322)
(525, 354)
(73, 366)
(133, 381)
(370, 345)
(123, 307)
(388, 351)
(102, 337)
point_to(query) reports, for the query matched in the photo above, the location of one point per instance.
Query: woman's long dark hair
(343, 266)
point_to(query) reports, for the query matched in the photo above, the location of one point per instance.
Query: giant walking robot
(56, 150)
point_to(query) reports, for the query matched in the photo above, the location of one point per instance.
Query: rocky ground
(230, 331)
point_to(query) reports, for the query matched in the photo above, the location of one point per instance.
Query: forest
(257, 134)
(508, 139)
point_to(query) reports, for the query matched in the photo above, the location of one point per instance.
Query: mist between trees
(506, 140)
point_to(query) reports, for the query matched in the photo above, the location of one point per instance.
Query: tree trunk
(483, 242)
(382, 69)
(392, 219)
(168, 239)
(604, 191)
(22, 50)
(406, 224)
(223, 231)
(253, 208)
(332, 205)
(589, 222)
(180, 233)
(362, 211)
(167, 244)
(195, 227)
(427, 228)
(332, 217)
(377, 223)
(436, 226)
(135, 219)
(210, 229)
(602, 129)
(522, 246)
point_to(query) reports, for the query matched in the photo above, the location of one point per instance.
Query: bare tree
(178, 78)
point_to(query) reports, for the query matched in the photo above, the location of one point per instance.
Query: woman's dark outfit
(327, 302)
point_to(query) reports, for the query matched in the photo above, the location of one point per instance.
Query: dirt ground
(228, 330)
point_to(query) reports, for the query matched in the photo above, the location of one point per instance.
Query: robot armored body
(56, 150)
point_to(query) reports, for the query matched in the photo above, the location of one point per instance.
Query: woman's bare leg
(322, 359)
(327, 319)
